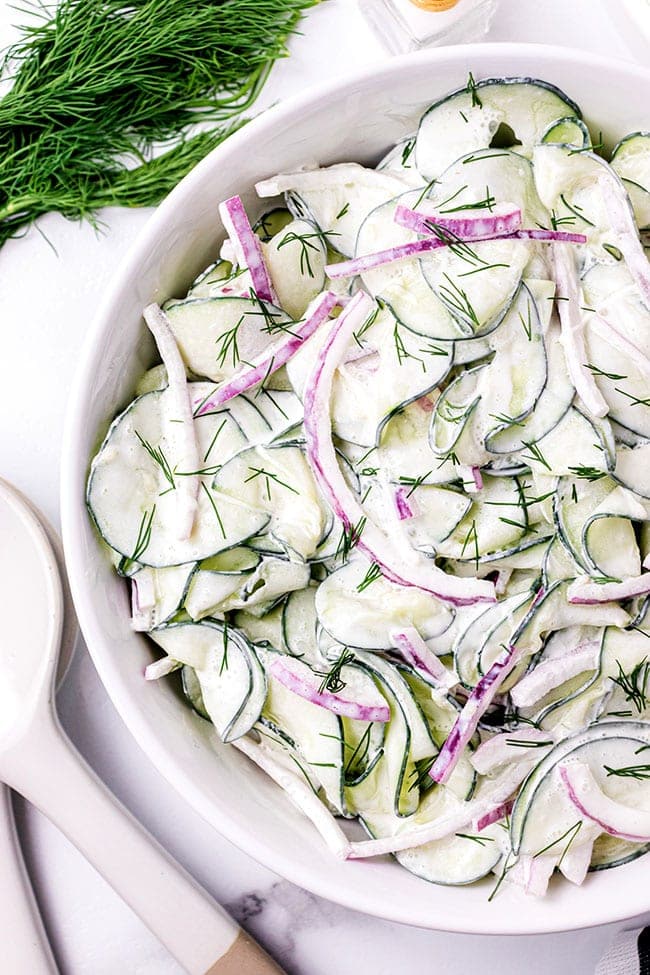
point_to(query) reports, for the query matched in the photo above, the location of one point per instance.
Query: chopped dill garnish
(268, 477)
(477, 270)
(613, 252)
(406, 153)
(157, 455)
(588, 473)
(306, 245)
(472, 89)
(349, 539)
(213, 505)
(572, 832)
(143, 539)
(224, 656)
(456, 298)
(344, 209)
(527, 743)
(502, 876)
(601, 372)
(634, 684)
(373, 573)
(356, 761)
(420, 772)
(215, 437)
(638, 772)
(228, 345)
(485, 203)
(414, 482)
(576, 211)
(481, 840)
(635, 400)
(471, 539)
(527, 323)
(401, 351)
(536, 454)
(332, 680)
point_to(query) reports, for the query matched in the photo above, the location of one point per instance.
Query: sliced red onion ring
(476, 705)
(407, 568)
(510, 746)
(301, 680)
(143, 600)
(591, 802)
(619, 210)
(494, 815)
(552, 673)
(406, 507)
(300, 793)
(505, 218)
(533, 873)
(587, 592)
(478, 478)
(573, 339)
(274, 357)
(414, 650)
(247, 247)
(359, 265)
(181, 433)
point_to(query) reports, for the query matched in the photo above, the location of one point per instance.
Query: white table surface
(50, 284)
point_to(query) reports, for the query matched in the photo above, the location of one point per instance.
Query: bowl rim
(73, 513)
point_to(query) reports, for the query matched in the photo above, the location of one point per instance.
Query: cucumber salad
(385, 503)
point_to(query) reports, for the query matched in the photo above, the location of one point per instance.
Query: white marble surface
(50, 283)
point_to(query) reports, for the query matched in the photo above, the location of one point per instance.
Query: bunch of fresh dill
(95, 85)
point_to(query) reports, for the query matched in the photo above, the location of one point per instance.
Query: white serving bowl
(356, 118)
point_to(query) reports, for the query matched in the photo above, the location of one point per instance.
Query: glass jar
(408, 25)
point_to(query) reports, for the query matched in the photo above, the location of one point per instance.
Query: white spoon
(38, 760)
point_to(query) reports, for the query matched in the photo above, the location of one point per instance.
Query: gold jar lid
(435, 5)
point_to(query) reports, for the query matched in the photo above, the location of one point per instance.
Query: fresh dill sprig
(485, 203)
(635, 400)
(528, 743)
(215, 438)
(413, 483)
(420, 772)
(158, 456)
(373, 573)
(224, 656)
(305, 241)
(213, 505)
(471, 539)
(634, 684)
(349, 539)
(143, 539)
(357, 759)
(526, 323)
(456, 298)
(332, 680)
(601, 372)
(401, 351)
(268, 477)
(571, 833)
(536, 454)
(481, 840)
(406, 153)
(639, 772)
(588, 473)
(344, 209)
(98, 85)
(227, 344)
(472, 89)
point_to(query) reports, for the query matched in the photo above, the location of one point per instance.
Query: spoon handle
(195, 929)
(25, 947)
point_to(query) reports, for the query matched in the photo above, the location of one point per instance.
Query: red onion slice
(301, 680)
(592, 803)
(274, 357)
(414, 650)
(505, 218)
(407, 568)
(247, 247)
(474, 708)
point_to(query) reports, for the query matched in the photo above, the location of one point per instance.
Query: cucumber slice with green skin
(575, 443)
(168, 586)
(558, 564)
(438, 511)
(570, 131)
(272, 480)
(386, 368)
(441, 713)
(336, 199)
(400, 161)
(497, 522)
(192, 691)
(553, 403)
(402, 285)
(543, 814)
(299, 622)
(611, 851)
(623, 659)
(263, 631)
(364, 618)
(593, 522)
(484, 635)
(633, 469)
(295, 258)
(132, 502)
(213, 580)
(404, 452)
(271, 223)
(631, 160)
(281, 409)
(456, 860)
(211, 594)
(472, 116)
(364, 746)
(317, 733)
(452, 416)
(233, 686)
(215, 335)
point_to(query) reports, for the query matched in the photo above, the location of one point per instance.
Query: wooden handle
(245, 957)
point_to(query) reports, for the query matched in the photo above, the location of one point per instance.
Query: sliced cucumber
(494, 112)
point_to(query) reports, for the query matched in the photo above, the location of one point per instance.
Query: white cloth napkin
(629, 954)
